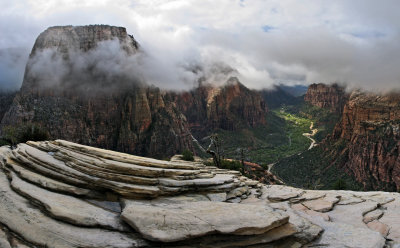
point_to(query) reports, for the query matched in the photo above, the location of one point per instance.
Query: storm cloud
(264, 42)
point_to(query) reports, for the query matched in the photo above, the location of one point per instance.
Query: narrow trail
(310, 135)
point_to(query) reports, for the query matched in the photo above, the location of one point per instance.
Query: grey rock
(176, 222)
(68, 208)
(37, 228)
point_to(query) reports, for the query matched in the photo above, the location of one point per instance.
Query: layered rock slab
(68, 208)
(61, 194)
(175, 222)
(38, 229)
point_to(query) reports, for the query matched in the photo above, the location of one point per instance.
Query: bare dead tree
(216, 150)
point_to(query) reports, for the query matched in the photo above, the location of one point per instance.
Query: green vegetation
(13, 135)
(340, 184)
(282, 142)
(281, 137)
(230, 165)
(187, 155)
(323, 119)
(313, 169)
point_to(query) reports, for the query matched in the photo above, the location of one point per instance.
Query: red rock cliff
(332, 97)
(368, 136)
(229, 107)
(131, 118)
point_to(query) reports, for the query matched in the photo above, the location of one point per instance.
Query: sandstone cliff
(62, 194)
(369, 140)
(92, 106)
(332, 97)
(229, 107)
(77, 86)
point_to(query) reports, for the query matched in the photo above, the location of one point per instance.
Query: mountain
(278, 96)
(331, 97)
(84, 105)
(294, 90)
(82, 84)
(228, 107)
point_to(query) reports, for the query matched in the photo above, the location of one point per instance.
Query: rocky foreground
(62, 194)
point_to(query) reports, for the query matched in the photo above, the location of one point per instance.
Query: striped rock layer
(62, 194)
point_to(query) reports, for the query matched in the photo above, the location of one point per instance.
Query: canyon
(85, 106)
(365, 142)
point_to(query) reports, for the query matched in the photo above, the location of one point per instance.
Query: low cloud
(109, 67)
(12, 67)
(264, 42)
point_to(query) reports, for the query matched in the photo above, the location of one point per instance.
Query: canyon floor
(62, 194)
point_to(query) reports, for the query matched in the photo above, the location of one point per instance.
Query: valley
(281, 137)
(356, 132)
(199, 124)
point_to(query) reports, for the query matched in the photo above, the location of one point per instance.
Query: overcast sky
(267, 42)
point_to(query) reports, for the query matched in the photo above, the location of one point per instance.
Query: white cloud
(307, 41)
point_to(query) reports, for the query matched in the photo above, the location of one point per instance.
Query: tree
(23, 133)
(10, 135)
(242, 152)
(187, 155)
(216, 150)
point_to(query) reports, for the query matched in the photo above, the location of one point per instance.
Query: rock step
(123, 157)
(41, 230)
(176, 222)
(59, 167)
(116, 166)
(68, 208)
(46, 182)
(88, 172)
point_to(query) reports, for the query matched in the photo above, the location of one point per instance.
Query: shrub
(23, 133)
(340, 184)
(187, 155)
(231, 165)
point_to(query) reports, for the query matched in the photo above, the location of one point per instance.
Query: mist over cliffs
(90, 84)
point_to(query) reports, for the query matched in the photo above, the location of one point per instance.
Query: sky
(292, 42)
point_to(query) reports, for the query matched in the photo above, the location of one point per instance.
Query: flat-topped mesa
(85, 84)
(65, 51)
(62, 194)
(84, 38)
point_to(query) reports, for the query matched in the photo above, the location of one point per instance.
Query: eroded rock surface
(62, 194)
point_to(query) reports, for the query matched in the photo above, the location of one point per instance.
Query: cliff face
(332, 97)
(77, 87)
(230, 107)
(369, 133)
(131, 117)
(6, 99)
